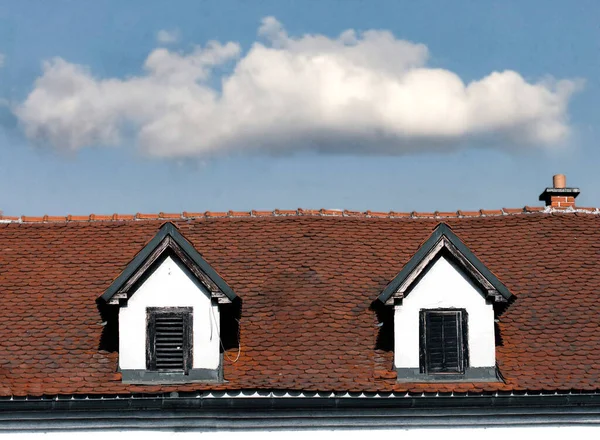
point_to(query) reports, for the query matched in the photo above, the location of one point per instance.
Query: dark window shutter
(169, 340)
(443, 341)
(150, 342)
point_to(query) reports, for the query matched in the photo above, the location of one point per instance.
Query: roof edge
(197, 413)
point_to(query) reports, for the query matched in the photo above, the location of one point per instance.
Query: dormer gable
(443, 241)
(167, 240)
(168, 301)
(444, 314)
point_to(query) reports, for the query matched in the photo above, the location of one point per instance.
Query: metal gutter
(274, 413)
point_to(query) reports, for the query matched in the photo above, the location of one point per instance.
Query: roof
(186, 215)
(308, 285)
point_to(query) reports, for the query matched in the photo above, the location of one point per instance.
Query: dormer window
(444, 341)
(169, 301)
(169, 339)
(444, 300)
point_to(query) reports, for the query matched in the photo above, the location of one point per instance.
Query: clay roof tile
(307, 280)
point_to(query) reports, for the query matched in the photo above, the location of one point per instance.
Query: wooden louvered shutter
(169, 340)
(443, 341)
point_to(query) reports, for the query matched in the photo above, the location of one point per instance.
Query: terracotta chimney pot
(559, 181)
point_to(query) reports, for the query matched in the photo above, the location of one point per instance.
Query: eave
(273, 411)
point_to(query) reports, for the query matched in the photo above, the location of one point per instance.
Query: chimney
(559, 196)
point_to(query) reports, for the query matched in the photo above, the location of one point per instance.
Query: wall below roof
(170, 285)
(445, 286)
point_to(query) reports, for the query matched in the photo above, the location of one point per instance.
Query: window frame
(188, 346)
(462, 336)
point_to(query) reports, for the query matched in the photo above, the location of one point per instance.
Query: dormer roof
(444, 241)
(167, 240)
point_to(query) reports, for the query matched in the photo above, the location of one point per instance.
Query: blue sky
(138, 155)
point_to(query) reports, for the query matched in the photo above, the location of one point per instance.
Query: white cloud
(167, 37)
(2, 59)
(366, 93)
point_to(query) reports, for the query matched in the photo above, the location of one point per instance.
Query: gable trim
(168, 238)
(442, 239)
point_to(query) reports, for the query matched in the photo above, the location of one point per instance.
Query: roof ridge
(186, 215)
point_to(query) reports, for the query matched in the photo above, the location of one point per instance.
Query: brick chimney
(559, 196)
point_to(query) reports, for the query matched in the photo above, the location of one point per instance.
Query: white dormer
(169, 316)
(444, 313)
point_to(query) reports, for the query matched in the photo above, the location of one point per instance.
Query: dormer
(444, 303)
(169, 301)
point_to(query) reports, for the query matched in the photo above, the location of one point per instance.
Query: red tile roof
(307, 281)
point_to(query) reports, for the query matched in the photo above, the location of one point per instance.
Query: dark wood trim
(443, 239)
(465, 336)
(422, 343)
(167, 239)
(167, 244)
(150, 340)
(194, 268)
(132, 280)
(444, 247)
(188, 342)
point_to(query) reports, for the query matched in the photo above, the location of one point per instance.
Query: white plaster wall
(444, 286)
(169, 286)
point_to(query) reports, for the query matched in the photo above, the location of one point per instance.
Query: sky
(149, 106)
